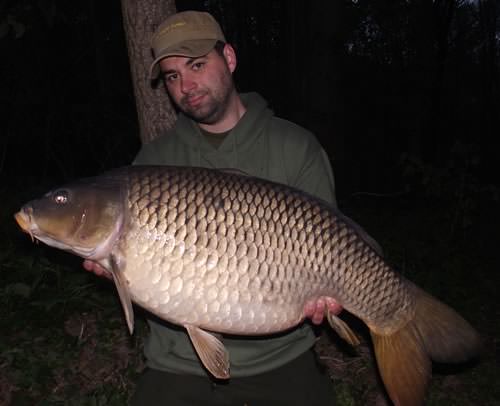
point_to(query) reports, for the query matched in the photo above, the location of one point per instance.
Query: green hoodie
(260, 145)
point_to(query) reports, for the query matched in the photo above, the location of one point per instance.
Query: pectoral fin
(211, 351)
(123, 292)
(342, 329)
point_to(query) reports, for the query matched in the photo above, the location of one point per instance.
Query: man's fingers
(94, 267)
(88, 265)
(333, 306)
(315, 309)
(319, 311)
(309, 308)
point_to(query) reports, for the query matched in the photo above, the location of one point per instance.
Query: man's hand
(315, 309)
(92, 266)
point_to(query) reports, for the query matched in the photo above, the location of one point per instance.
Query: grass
(64, 340)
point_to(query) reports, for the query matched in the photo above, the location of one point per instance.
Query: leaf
(19, 289)
(19, 29)
(4, 29)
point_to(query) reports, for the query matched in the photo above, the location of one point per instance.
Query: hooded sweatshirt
(260, 145)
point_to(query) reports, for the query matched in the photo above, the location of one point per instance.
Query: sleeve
(147, 155)
(309, 168)
(157, 152)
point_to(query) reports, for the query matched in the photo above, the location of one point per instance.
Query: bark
(140, 18)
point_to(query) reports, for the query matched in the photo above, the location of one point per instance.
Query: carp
(220, 252)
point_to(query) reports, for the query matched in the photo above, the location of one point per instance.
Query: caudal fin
(436, 333)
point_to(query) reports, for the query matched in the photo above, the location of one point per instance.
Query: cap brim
(189, 49)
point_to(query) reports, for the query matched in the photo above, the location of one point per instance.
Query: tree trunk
(140, 18)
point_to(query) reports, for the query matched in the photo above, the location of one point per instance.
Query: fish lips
(23, 219)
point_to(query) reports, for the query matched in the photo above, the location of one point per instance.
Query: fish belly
(242, 255)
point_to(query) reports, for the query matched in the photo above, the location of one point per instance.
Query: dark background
(403, 95)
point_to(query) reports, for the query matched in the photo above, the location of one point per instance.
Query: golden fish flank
(227, 253)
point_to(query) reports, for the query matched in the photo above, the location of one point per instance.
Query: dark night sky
(390, 102)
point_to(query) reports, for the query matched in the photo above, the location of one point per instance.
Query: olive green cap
(188, 33)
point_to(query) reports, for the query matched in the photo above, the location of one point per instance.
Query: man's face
(201, 87)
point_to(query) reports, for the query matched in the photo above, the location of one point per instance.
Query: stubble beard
(215, 103)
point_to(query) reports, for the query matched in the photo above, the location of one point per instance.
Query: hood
(244, 134)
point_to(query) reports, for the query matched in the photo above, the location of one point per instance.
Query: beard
(215, 100)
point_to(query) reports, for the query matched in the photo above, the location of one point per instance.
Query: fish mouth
(23, 219)
(26, 222)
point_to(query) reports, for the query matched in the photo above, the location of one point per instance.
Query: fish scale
(243, 210)
(218, 251)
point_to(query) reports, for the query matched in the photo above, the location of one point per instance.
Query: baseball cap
(188, 33)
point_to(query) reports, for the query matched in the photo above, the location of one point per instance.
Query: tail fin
(437, 333)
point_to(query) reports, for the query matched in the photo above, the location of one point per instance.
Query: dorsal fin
(234, 171)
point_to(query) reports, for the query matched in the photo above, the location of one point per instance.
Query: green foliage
(18, 16)
(344, 395)
(454, 183)
(64, 340)
(10, 24)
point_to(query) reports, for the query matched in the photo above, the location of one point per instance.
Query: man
(219, 128)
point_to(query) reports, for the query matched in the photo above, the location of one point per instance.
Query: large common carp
(221, 252)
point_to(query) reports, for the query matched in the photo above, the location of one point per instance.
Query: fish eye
(60, 197)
